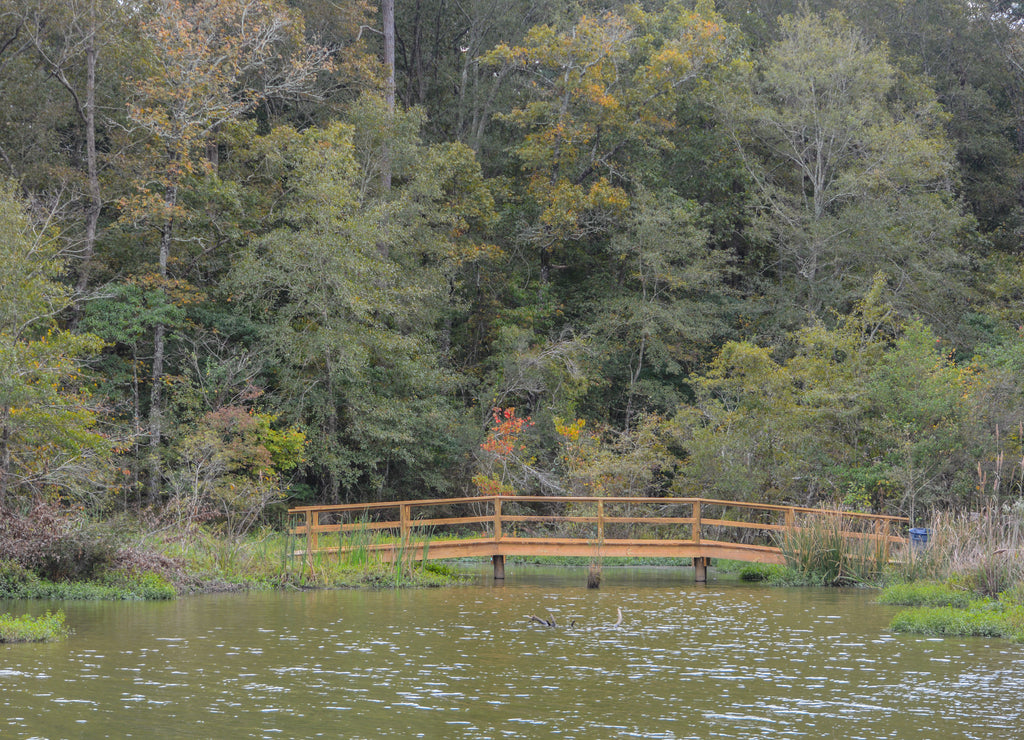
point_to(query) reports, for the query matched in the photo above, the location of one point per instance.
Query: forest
(257, 253)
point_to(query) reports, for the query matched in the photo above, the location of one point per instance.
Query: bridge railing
(574, 518)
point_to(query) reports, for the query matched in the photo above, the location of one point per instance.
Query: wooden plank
(452, 521)
(742, 525)
(539, 519)
(497, 519)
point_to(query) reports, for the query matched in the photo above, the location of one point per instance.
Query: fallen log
(548, 622)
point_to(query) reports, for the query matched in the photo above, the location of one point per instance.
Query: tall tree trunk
(59, 63)
(5, 452)
(388, 12)
(156, 414)
(156, 407)
(92, 173)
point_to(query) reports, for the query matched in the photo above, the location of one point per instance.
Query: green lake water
(722, 660)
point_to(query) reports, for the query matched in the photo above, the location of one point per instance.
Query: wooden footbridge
(580, 526)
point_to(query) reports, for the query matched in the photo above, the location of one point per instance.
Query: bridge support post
(700, 569)
(499, 567)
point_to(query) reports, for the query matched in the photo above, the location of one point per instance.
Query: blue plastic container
(918, 537)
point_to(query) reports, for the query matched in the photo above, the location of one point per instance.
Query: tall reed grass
(826, 549)
(360, 557)
(981, 552)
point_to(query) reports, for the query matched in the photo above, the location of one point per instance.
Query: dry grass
(982, 553)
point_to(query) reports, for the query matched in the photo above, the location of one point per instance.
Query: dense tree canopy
(768, 249)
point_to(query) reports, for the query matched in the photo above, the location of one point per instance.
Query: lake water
(721, 660)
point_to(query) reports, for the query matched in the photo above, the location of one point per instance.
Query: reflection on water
(726, 660)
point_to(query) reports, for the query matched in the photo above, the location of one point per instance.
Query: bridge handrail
(312, 528)
(328, 508)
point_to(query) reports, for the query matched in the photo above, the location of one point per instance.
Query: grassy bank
(270, 559)
(967, 581)
(947, 610)
(45, 554)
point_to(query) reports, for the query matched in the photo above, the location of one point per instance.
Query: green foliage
(663, 220)
(345, 296)
(46, 628)
(755, 572)
(231, 465)
(662, 312)
(18, 582)
(48, 440)
(976, 621)
(141, 585)
(848, 175)
(925, 593)
(870, 411)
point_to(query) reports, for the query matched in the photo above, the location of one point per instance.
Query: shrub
(32, 629)
(144, 586)
(79, 555)
(47, 540)
(16, 581)
(753, 572)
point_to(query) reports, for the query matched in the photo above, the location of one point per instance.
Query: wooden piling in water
(498, 561)
(700, 569)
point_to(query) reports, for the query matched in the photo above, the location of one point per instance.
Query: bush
(16, 581)
(144, 586)
(754, 572)
(32, 629)
(77, 556)
(48, 541)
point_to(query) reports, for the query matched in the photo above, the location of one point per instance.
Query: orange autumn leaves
(502, 452)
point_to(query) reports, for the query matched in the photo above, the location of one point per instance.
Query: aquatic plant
(26, 628)
(823, 550)
(927, 593)
(976, 621)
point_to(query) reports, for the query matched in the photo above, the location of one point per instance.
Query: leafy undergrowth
(768, 573)
(46, 628)
(46, 555)
(17, 582)
(269, 559)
